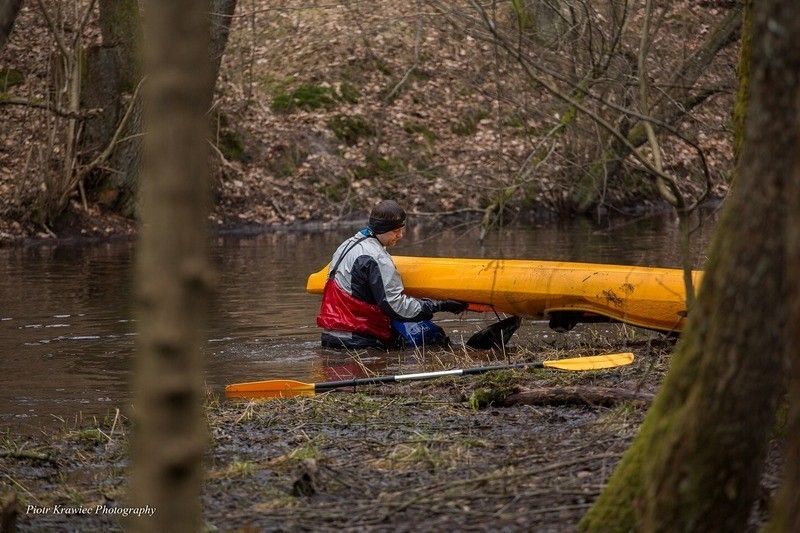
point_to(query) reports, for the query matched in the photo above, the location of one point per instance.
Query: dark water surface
(67, 334)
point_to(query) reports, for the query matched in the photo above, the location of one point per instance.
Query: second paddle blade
(593, 362)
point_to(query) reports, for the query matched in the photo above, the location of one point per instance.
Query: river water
(67, 335)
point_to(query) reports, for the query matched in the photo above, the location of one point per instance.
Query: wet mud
(407, 457)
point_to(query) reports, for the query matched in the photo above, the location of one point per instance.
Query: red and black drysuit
(364, 293)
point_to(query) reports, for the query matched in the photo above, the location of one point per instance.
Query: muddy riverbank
(392, 458)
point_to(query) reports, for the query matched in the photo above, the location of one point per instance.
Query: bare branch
(53, 29)
(6, 100)
(555, 91)
(115, 139)
(82, 25)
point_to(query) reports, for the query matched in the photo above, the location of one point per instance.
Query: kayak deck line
(648, 297)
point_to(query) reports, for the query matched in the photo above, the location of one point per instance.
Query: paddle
(495, 335)
(286, 388)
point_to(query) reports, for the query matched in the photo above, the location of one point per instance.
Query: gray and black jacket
(367, 272)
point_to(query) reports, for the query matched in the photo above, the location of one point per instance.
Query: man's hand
(452, 306)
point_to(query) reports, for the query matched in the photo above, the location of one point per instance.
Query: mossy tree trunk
(173, 272)
(696, 462)
(743, 74)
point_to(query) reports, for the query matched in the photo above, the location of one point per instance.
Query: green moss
(348, 93)
(239, 469)
(493, 388)
(389, 166)
(417, 128)
(780, 426)
(274, 85)
(308, 96)
(229, 141)
(587, 189)
(468, 124)
(10, 77)
(231, 145)
(349, 129)
(121, 24)
(520, 12)
(514, 121)
(383, 67)
(381, 168)
(286, 159)
(337, 191)
(87, 436)
(309, 450)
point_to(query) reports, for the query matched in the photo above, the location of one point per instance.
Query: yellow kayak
(566, 293)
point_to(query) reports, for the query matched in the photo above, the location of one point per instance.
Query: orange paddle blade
(271, 388)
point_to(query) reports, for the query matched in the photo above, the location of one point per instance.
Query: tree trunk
(743, 74)
(787, 509)
(119, 22)
(173, 272)
(113, 70)
(221, 16)
(696, 462)
(121, 28)
(8, 14)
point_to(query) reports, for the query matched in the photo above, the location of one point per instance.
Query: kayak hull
(647, 297)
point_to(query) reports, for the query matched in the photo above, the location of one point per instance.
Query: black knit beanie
(386, 216)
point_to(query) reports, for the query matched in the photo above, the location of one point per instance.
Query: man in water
(364, 292)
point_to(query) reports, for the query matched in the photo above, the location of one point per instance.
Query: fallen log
(575, 395)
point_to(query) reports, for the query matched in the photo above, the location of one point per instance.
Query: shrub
(348, 93)
(9, 77)
(468, 125)
(349, 129)
(307, 96)
(416, 128)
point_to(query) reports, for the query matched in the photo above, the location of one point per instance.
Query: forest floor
(325, 108)
(410, 457)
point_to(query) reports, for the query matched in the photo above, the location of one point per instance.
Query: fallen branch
(574, 395)
(49, 107)
(23, 454)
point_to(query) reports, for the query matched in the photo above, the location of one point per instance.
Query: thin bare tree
(173, 273)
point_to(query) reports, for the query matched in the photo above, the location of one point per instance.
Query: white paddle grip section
(424, 375)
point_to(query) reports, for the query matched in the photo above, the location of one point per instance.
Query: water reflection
(67, 333)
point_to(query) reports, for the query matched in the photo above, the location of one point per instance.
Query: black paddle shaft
(328, 385)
